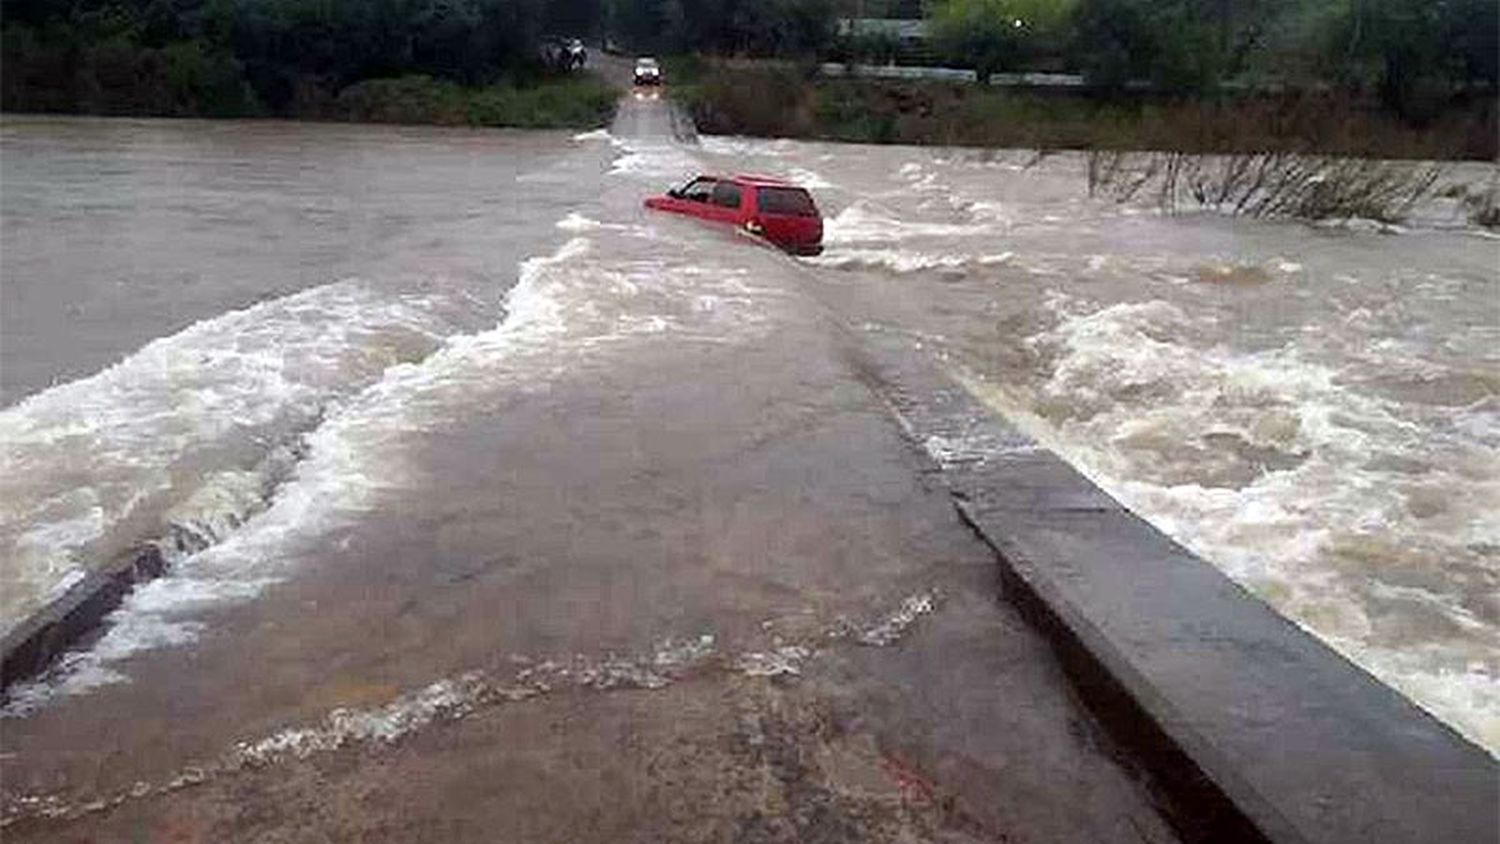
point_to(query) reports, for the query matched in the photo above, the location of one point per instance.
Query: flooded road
(234, 283)
(642, 533)
(1313, 409)
(512, 498)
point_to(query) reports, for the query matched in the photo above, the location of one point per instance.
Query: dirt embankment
(788, 103)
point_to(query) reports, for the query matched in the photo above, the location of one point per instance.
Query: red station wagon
(772, 208)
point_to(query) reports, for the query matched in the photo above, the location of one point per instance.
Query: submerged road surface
(631, 555)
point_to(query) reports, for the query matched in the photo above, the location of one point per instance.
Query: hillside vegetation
(467, 61)
(1429, 64)
(787, 103)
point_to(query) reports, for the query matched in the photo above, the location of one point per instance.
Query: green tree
(1416, 53)
(747, 27)
(995, 35)
(203, 81)
(1177, 45)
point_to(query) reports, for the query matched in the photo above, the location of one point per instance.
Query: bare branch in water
(1267, 184)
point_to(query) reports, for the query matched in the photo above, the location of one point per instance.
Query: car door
(788, 216)
(726, 202)
(692, 198)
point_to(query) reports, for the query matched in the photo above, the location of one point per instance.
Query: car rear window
(727, 194)
(792, 202)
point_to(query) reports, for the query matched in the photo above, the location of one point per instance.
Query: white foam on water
(595, 135)
(578, 223)
(656, 160)
(1362, 224)
(455, 697)
(1356, 518)
(808, 179)
(894, 260)
(90, 467)
(1357, 510)
(890, 629)
(786, 660)
(146, 620)
(444, 699)
(866, 223)
(574, 309)
(742, 147)
(990, 212)
(352, 457)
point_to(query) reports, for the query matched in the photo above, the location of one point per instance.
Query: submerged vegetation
(1268, 184)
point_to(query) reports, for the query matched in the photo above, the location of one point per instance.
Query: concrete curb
(1248, 727)
(29, 648)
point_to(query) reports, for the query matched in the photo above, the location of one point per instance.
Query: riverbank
(790, 104)
(573, 101)
(582, 102)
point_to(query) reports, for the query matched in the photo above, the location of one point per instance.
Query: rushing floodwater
(194, 314)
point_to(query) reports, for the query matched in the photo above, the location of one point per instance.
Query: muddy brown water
(560, 522)
(501, 508)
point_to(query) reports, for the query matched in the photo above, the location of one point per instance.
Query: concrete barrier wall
(915, 72)
(1251, 728)
(892, 71)
(31, 646)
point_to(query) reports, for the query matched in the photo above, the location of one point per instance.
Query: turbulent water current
(216, 337)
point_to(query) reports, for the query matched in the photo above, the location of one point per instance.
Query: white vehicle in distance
(647, 71)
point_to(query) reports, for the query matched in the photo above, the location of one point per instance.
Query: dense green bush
(1422, 59)
(1417, 55)
(773, 102)
(584, 101)
(996, 35)
(784, 103)
(287, 57)
(741, 27)
(117, 75)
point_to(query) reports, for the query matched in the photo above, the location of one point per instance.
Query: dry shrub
(786, 101)
(774, 103)
(1326, 122)
(1267, 184)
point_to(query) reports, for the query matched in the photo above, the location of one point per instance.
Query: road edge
(1340, 757)
(32, 646)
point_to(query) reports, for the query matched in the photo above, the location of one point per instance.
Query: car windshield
(644, 64)
(697, 190)
(792, 202)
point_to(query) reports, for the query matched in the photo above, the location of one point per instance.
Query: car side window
(727, 195)
(791, 202)
(699, 190)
